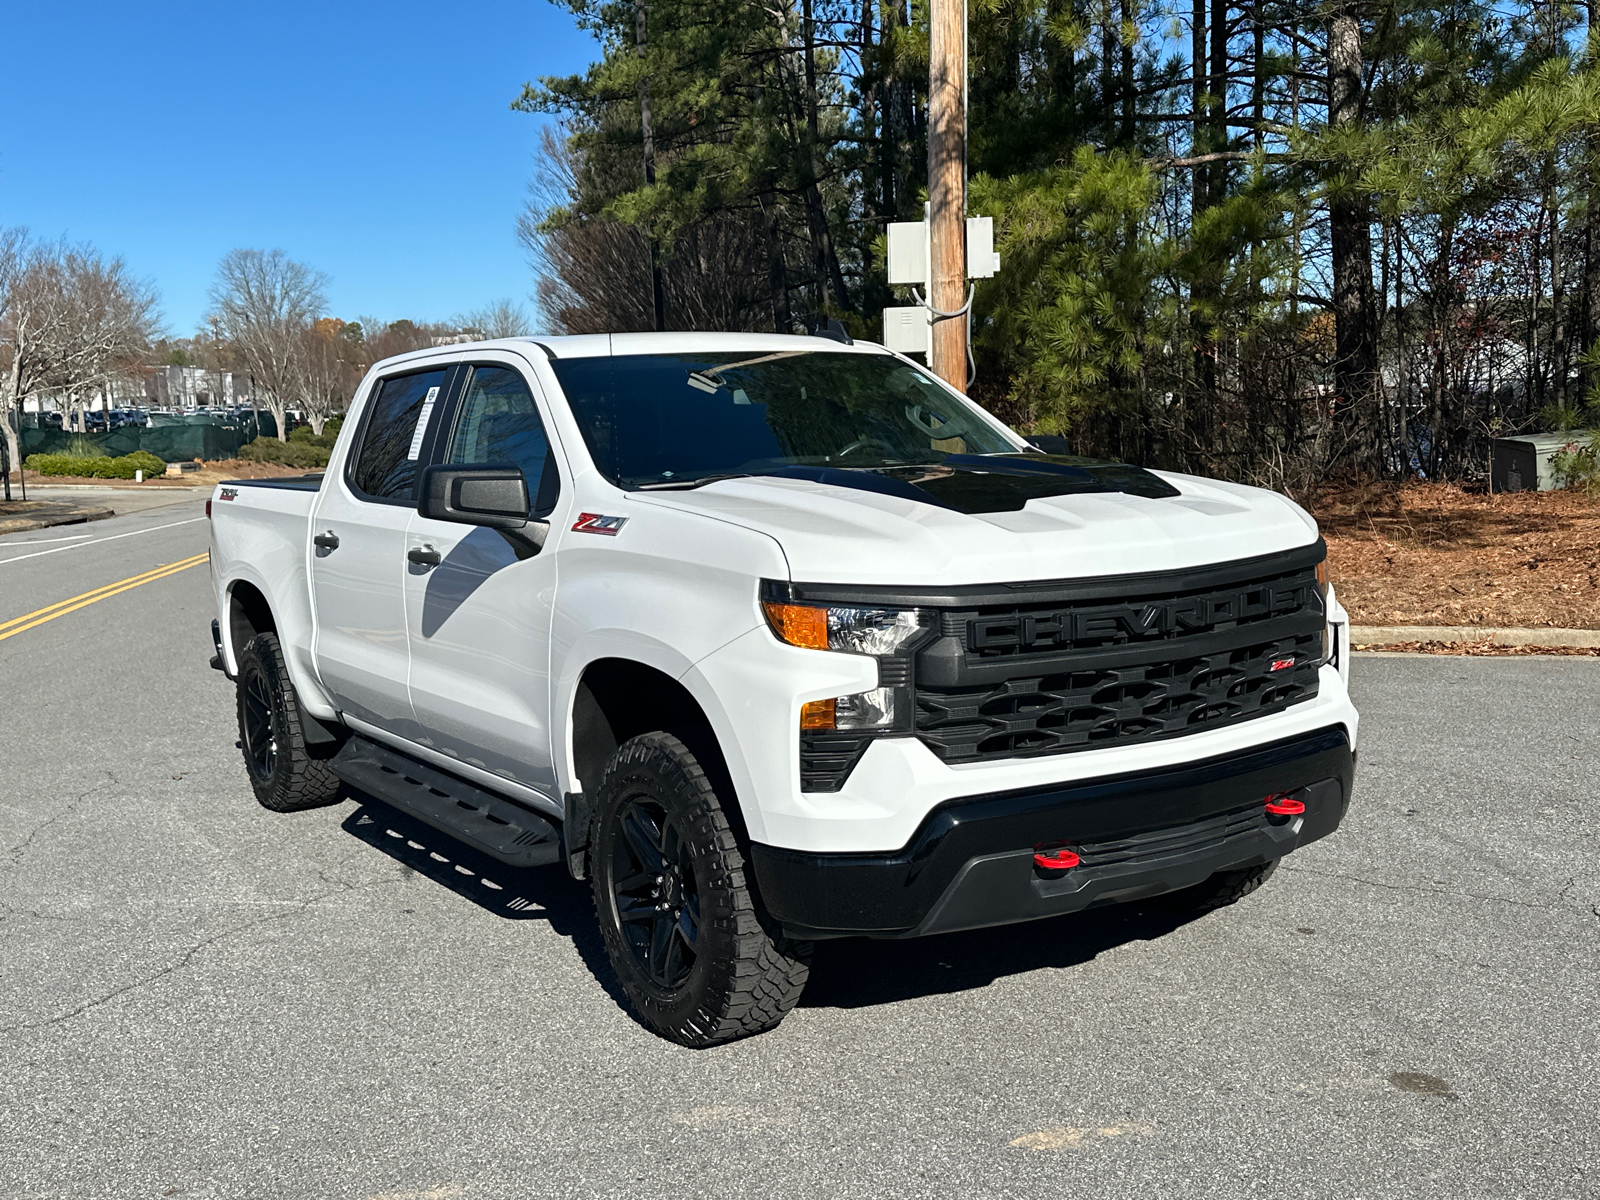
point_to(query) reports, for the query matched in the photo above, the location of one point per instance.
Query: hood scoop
(989, 483)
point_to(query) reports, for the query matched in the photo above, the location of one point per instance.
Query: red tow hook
(1281, 804)
(1058, 859)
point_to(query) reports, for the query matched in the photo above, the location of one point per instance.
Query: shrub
(293, 453)
(97, 467)
(330, 433)
(151, 464)
(1578, 465)
(79, 446)
(128, 465)
(59, 464)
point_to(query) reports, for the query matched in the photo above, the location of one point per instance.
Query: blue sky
(373, 141)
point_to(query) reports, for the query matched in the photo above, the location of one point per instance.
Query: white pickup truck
(775, 639)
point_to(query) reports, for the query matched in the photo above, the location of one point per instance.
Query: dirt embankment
(1433, 554)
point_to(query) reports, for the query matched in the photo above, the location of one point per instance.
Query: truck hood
(844, 534)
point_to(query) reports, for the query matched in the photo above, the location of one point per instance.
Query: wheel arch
(618, 698)
(249, 613)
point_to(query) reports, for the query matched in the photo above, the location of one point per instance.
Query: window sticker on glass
(422, 425)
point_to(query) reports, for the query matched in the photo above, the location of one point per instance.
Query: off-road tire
(744, 976)
(285, 775)
(1222, 889)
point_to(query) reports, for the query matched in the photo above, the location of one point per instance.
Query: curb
(1388, 635)
(26, 522)
(121, 485)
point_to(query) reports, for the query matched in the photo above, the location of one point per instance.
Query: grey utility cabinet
(1523, 463)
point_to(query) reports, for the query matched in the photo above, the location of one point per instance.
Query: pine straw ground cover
(1433, 554)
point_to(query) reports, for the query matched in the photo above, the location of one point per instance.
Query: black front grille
(1162, 659)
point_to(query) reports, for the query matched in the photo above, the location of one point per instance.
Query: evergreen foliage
(1266, 240)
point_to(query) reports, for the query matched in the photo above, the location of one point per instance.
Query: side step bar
(501, 828)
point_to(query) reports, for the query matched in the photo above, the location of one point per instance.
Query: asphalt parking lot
(199, 998)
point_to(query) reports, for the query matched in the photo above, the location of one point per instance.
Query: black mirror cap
(494, 495)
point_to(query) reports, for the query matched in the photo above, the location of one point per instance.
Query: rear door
(479, 621)
(358, 567)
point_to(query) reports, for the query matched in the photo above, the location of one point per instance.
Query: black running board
(501, 828)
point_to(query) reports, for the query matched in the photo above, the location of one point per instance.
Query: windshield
(670, 419)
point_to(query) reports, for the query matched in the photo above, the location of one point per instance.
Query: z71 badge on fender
(595, 523)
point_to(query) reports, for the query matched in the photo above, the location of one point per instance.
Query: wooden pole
(658, 297)
(947, 188)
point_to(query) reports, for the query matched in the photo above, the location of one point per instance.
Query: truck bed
(261, 540)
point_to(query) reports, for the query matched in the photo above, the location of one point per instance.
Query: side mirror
(1051, 443)
(494, 496)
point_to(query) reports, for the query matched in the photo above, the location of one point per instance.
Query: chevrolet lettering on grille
(1120, 622)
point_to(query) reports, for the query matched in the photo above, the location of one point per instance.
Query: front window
(667, 419)
(498, 422)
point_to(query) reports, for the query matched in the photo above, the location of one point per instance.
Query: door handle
(424, 556)
(326, 541)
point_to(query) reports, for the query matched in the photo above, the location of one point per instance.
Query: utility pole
(658, 296)
(947, 189)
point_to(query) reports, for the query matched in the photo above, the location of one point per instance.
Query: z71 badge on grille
(595, 523)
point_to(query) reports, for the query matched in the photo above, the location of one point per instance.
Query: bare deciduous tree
(264, 302)
(594, 273)
(397, 337)
(502, 319)
(70, 321)
(328, 371)
(109, 323)
(16, 333)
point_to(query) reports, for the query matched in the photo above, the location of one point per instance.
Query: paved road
(202, 999)
(121, 500)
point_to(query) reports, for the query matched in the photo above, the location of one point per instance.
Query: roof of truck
(600, 345)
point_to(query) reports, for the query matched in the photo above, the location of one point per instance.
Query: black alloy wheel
(286, 773)
(677, 907)
(656, 895)
(260, 742)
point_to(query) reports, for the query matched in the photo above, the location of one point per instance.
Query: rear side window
(498, 423)
(386, 463)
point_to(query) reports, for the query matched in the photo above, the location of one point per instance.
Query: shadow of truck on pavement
(845, 973)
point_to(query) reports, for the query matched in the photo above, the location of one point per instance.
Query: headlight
(1329, 640)
(854, 629)
(874, 631)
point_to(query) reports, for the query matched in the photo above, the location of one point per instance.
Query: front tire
(673, 896)
(283, 773)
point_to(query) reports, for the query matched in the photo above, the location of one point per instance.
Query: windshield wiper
(684, 485)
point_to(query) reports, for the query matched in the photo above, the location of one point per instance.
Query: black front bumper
(970, 863)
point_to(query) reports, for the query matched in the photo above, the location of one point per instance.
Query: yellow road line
(107, 589)
(61, 608)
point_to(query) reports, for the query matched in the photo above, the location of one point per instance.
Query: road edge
(28, 522)
(1388, 635)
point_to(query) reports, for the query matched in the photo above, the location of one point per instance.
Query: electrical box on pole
(907, 328)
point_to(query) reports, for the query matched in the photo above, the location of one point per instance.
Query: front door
(479, 621)
(358, 568)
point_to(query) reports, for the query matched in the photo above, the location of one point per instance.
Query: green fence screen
(168, 441)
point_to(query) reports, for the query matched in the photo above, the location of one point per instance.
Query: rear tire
(284, 775)
(675, 903)
(1222, 889)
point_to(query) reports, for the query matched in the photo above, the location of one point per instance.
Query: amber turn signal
(800, 625)
(818, 714)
